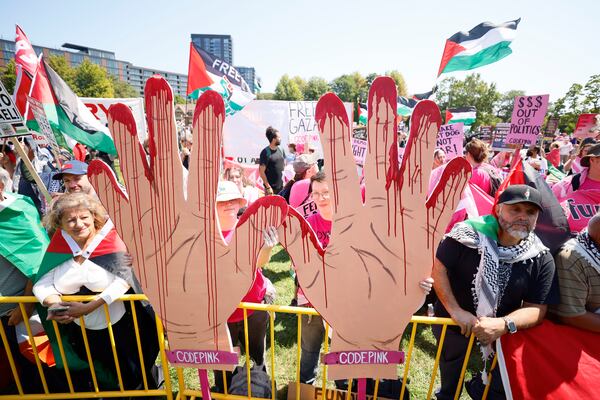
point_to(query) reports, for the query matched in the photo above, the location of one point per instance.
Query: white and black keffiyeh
(586, 248)
(495, 266)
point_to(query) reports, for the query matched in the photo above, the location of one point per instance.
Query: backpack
(259, 380)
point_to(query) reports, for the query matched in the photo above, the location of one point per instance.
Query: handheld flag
(482, 45)
(207, 72)
(466, 115)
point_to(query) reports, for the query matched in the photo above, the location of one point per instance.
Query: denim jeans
(313, 332)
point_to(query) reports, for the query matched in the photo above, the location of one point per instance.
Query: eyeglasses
(324, 195)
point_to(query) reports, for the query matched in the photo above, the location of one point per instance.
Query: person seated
(573, 164)
(229, 202)
(578, 266)
(87, 257)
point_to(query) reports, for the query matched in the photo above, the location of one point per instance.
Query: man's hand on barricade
(487, 330)
(465, 320)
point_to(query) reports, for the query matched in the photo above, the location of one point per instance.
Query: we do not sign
(527, 118)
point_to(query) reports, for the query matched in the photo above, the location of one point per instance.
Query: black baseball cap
(521, 194)
(73, 167)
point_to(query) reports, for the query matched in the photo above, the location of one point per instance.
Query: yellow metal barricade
(184, 391)
(165, 391)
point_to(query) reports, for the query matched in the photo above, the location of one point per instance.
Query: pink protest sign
(527, 118)
(359, 150)
(588, 125)
(450, 139)
(364, 357)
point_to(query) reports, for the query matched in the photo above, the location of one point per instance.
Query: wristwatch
(510, 325)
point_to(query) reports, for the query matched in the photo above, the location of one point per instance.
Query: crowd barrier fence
(185, 392)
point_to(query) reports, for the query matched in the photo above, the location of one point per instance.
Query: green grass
(278, 271)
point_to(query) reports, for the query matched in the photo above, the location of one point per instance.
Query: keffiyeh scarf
(586, 248)
(495, 266)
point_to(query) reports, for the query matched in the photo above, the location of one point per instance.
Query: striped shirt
(579, 284)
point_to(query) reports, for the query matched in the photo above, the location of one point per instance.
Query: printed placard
(363, 357)
(359, 150)
(500, 133)
(527, 118)
(47, 138)
(450, 139)
(588, 125)
(9, 114)
(202, 357)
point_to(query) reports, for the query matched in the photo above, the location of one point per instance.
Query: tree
(265, 96)
(505, 105)
(8, 75)
(62, 67)
(472, 91)
(179, 99)
(579, 99)
(91, 81)
(350, 87)
(287, 89)
(315, 88)
(400, 83)
(125, 90)
(301, 84)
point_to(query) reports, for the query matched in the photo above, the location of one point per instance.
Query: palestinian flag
(482, 45)
(406, 106)
(107, 250)
(466, 115)
(66, 113)
(24, 240)
(552, 225)
(363, 113)
(207, 72)
(27, 63)
(426, 95)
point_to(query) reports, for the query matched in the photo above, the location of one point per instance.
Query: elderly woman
(87, 257)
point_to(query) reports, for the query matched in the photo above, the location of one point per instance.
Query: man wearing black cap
(493, 276)
(74, 176)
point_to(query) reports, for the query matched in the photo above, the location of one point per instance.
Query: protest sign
(450, 139)
(244, 132)
(500, 132)
(9, 114)
(527, 118)
(99, 108)
(359, 149)
(486, 134)
(47, 138)
(588, 125)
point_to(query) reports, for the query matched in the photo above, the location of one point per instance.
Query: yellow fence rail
(186, 392)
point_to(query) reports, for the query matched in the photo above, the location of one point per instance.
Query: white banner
(99, 108)
(244, 132)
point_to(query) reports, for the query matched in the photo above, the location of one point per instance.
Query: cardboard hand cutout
(366, 283)
(192, 278)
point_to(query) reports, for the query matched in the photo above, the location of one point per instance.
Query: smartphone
(58, 310)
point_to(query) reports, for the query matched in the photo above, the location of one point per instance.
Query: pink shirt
(590, 184)
(322, 229)
(481, 178)
(300, 198)
(256, 293)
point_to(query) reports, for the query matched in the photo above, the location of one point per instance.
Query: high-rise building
(218, 45)
(249, 75)
(123, 70)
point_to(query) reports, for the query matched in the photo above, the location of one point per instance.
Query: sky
(556, 45)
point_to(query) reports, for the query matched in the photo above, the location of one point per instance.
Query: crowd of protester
(527, 282)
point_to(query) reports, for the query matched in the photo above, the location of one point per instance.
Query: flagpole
(29, 165)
